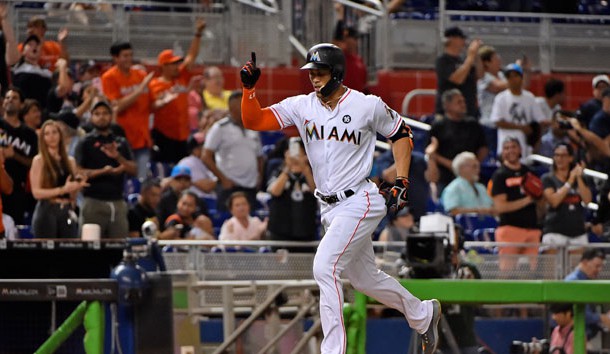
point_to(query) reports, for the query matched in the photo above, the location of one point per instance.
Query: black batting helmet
(327, 56)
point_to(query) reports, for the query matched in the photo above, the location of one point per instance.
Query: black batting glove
(250, 73)
(398, 196)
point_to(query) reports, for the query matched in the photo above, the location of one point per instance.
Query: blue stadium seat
(25, 232)
(472, 222)
(132, 185)
(267, 149)
(132, 199)
(211, 203)
(270, 138)
(272, 165)
(160, 169)
(420, 139)
(434, 207)
(219, 218)
(491, 137)
(488, 167)
(485, 235)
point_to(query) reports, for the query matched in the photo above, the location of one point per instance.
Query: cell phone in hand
(294, 146)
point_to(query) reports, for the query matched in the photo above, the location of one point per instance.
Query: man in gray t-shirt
(234, 155)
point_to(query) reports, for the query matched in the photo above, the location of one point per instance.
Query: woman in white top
(241, 226)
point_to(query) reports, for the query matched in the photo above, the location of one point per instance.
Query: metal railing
(282, 265)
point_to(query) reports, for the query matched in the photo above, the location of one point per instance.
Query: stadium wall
(278, 83)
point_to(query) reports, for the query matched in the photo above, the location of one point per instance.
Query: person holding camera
(187, 222)
(589, 108)
(562, 337)
(293, 206)
(566, 128)
(566, 193)
(600, 124)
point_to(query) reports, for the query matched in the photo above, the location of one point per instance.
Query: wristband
(406, 179)
(568, 185)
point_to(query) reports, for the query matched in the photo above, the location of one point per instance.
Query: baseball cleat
(429, 339)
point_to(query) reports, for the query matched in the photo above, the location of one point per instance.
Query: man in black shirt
(454, 133)
(20, 145)
(518, 221)
(106, 159)
(145, 209)
(454, 72)
(293, 206)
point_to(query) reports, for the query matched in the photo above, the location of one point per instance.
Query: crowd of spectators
(102, 122)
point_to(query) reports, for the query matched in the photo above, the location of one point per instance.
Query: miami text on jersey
(18, 144)
(312, 132)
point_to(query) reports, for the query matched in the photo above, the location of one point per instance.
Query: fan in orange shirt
(127, 88)
(50, 51)
(169, 92)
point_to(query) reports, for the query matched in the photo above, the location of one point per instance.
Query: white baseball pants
(347, 249)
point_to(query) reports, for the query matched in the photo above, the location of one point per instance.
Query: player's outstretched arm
(253, 116)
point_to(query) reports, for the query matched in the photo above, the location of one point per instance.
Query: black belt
(333, 198)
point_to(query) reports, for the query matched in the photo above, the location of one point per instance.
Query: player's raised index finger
(254, 58)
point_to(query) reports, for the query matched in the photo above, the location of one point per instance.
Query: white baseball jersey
(339, 143)
(521, 109)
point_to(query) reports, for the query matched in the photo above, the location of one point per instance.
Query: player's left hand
(250, 73)
(398, 196)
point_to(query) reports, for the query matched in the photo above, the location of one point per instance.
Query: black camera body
(428, 256)
(564, 124)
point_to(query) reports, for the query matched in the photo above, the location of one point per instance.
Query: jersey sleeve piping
(398, 123)
(278, 118)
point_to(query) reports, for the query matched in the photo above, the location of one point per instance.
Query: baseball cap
(66, 116)
(30, 38)
(455, 32)
(101, 103)
(195, 140)
(600, 78)
(167, 57)
(513, 67)
(180, 171)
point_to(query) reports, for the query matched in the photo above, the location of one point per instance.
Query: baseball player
(338, 126)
